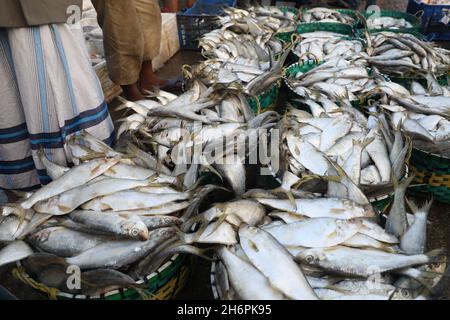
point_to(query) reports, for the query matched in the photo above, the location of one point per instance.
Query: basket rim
(431, 153)
(155, 274)
(349, 38)
(295, 64)
(326, 23)
(275, 84)
(406, 15)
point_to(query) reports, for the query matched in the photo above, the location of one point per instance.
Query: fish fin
(436, 256)
(289, 195)
(427, 206)
(22, 194)
(415, 208)
(222, 219)
(405, 183)
(364, 143)
(427, 279)
(412, 205)
(195, 204)
(198, 219)
(212, 170)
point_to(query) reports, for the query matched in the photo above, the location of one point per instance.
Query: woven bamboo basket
(110, 89)
(164, 284)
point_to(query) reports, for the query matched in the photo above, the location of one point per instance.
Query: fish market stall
(302, 159)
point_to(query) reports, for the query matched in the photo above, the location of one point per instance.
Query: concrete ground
(198, 286)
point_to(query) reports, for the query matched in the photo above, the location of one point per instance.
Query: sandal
(173, 84)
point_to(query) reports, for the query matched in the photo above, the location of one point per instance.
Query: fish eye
(405, 293)
(134, 232)
(310, 258)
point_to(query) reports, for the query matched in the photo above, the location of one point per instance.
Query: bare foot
(132, 93)
(148, 79)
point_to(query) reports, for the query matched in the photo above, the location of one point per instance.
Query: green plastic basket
(287, 36)
(415, 21)
(381, 204)
(266, 100)
(406, 82)
(291, 95)
(433, 171)
(294, 57)
(341, 28)
(337, 27)
(164, 284)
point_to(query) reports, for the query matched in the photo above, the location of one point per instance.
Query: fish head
(310, 257)
(136, 231)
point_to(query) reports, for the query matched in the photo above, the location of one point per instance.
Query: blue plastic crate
(210, 6)
(432, 16)
(198, 20)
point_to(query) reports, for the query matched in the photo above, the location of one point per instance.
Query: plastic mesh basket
(291, 95)
(266, 100)
(433, 171)
(398, 15)
(193, 24)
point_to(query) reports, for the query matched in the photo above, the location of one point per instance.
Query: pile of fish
(404, 55)
(388, 23)
(240, 59)
(182, 134)
(338, 79)
(325, 15)
(324, 46)
(422, 113)
(312, 248)
(258, 21)
(361, 153)
(245, 52)
(113, 216)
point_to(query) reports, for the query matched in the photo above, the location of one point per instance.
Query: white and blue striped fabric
(48, 91)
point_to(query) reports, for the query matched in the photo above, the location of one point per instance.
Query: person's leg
(173, 5)
(190, 3)
(60, 92)
(123, 42)
(149, 15)
(18, 170)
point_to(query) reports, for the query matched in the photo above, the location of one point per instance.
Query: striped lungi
(48, 91)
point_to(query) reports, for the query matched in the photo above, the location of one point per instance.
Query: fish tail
(363, 143)
(436, 256)
(198, 219)
(412, 205)
(403, 185)
(222, 219)
(425, 209)
(195, 204)
(427, 279)
(289, 195)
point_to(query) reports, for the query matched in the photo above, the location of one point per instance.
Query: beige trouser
(132, 35)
